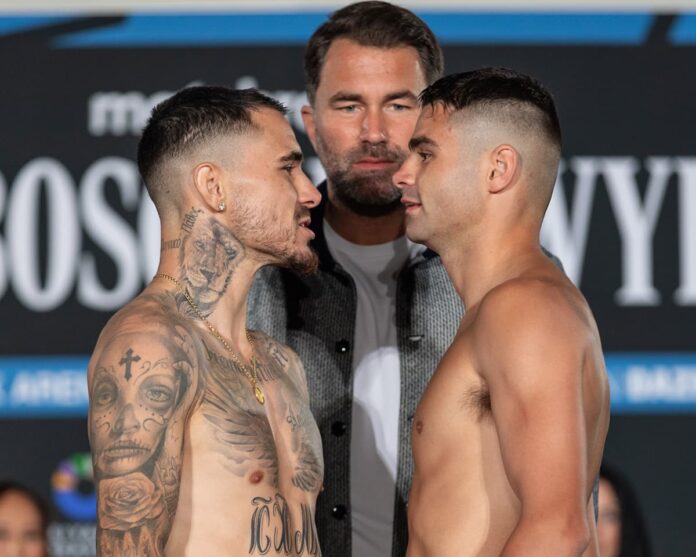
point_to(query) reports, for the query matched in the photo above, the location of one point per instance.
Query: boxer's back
(465, 499)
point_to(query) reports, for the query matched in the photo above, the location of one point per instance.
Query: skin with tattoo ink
(188, 459)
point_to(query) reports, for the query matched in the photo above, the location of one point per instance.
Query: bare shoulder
(532, 317)
(535, 304)
(150, 320)
(146, 339)
(277, 358)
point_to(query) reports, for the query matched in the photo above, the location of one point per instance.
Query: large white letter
(636, 222)
(110, 232)
(115, 113)
(63, 234)
(149, 235)
(566, 235)
(3, 255)
(686, 293)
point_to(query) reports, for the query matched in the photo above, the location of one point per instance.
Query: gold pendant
(259, 395)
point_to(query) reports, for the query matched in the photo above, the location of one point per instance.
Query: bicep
(141, 388)
(536, 401)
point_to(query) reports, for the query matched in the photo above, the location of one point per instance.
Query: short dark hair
(377, 24)
(190, 117)
(9, 486)
(495, 88)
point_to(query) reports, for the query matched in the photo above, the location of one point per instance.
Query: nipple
(256, 477)
(419, 427)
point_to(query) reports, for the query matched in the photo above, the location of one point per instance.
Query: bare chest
(275, 444)
(454, 407)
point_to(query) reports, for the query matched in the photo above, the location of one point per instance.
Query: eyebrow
(405, 94)
(344, 96)
(292, 156)
(421, 140)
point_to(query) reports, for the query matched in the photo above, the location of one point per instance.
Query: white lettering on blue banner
(43, 386)
(641, 383)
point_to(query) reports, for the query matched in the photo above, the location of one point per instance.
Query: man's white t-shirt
(376, 387)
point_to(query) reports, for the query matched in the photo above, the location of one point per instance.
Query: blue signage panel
(641, 383)
(43, 386)
(652, 383)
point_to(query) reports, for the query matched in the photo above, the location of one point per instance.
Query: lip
(124, 450)
(304, 225)
(410, 205)
(374, 163)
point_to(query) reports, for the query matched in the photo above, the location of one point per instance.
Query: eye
(348, 108)
(396, 107)
(159, 394)
(289, 168)
(105, 394)
(425, 156)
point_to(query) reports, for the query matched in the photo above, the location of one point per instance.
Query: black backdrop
(78, 239)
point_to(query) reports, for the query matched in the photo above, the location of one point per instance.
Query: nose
(208, 274)
(307, 193)
(126, 421)
(405, 176)
(373, 128)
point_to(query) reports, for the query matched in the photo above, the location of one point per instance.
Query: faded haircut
(500, 92)
(190, 118)
(375, 24)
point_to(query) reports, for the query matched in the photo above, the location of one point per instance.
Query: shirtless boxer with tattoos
(508, 436)
(201, 434)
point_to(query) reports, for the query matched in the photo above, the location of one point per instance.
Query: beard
(304, 262)
(368, 193)
(278, 247)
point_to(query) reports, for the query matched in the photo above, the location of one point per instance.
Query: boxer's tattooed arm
(305, 454)
(141, 384)
(308, 473)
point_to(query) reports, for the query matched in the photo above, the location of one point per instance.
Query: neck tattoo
(250, 375)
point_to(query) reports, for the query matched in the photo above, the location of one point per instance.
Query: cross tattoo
(127, 360)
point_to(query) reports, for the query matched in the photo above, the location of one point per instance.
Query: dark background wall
(78, 238)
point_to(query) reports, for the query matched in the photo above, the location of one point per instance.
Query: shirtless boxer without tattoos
(201, 435)
(508, 436)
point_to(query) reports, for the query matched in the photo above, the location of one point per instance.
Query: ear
(207, 178)
(502, 168)
(309, 124)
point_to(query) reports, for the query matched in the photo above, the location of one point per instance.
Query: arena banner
(79, 236)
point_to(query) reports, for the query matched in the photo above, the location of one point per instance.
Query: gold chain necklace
(251, 376)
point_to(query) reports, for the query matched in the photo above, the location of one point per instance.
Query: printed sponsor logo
(639, 382)
(652, 383)
(73, 489)
(72, 539)
(43, 386)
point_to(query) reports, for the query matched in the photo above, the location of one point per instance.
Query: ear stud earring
(221, 206)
